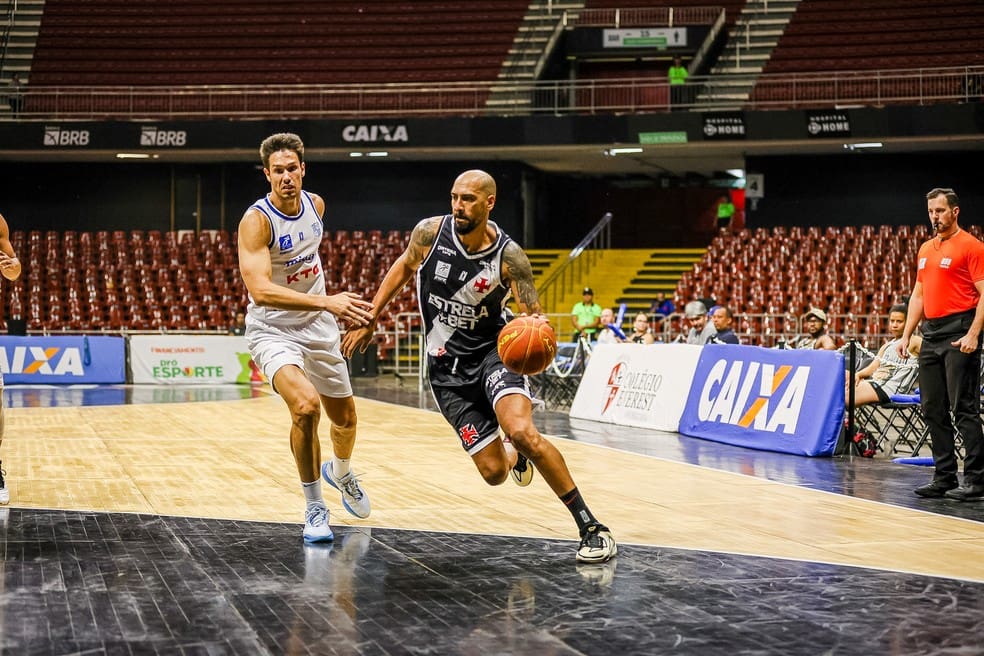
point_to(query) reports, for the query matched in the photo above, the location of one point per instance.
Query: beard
(464, 228)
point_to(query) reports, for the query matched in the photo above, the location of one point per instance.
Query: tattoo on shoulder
(422, 238)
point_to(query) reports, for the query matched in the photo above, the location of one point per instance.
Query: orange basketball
(527, 345)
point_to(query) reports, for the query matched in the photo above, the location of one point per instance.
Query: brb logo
(753, 394)
(56, 136)
(150, 135)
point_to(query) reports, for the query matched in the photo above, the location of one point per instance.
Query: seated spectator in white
(816, 337)
(608, 332)
(723, 318)
(888, 374)
(641, 334)
(701, 330)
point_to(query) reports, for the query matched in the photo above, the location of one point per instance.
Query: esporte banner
(191, 359)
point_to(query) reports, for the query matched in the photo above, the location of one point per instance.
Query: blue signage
(65, 359)
(791, 401)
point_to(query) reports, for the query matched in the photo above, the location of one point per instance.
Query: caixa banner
(67, 359)
(790, 401)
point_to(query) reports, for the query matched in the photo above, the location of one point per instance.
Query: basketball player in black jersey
(466, 268)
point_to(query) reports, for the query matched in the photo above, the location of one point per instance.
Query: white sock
(340, 466)
(312, 493)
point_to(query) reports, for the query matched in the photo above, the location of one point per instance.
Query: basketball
(527, 345)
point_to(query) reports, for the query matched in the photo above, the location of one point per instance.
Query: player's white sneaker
(597, 545)
(316, 527)
(354, 498)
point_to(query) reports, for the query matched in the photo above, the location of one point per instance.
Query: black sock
(579, 510)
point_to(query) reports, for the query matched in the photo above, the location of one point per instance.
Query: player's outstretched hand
(351, 307)
(357, 338)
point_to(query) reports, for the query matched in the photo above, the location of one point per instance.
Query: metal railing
(579, 262)
(771, 91)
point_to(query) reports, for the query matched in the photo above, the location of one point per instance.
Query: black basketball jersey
(462, 297)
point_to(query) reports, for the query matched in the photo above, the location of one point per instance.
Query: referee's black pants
(950, 382)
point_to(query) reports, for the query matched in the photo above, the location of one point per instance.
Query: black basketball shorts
(467, 391)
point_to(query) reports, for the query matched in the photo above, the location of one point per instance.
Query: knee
(494, 473)
(306, 411)
(527, 441)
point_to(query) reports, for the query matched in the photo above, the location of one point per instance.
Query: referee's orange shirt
(948, 271)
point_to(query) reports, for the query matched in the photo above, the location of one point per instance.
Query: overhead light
(738, 173)
(134, 156)
(611, 152)
(863, 145)
(378, 153)
(355, 154)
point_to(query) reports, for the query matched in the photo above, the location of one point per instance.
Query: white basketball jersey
(295, 258)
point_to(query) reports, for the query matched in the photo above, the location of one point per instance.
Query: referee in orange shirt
(949, 292)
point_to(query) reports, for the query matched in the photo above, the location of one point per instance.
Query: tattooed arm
(517, 271)
(421, 240)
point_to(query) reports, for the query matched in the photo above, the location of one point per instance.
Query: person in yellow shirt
(677, 76)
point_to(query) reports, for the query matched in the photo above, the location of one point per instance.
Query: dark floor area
(94, 583)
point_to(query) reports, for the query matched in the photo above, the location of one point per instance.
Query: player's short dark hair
(951, 196)
(281, 141)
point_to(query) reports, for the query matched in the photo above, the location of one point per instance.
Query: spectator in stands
(641, 334)
(662, 306)
(677, 76)
(887, 373)
(816, 337)
(476, 393)
(292, 328)
(723, 318)
(949, 294)
(586, 315)
(725, 212)
(16, 95)
(10, 268)
(238, 328)
(608, 332)
(701, 330)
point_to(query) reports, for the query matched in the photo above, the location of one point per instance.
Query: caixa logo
(752, 394)
(151, 135)
(370, 133)
(53, 361)
(58, 136)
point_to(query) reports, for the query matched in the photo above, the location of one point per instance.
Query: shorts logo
(286, 243)
(442, 271)
(468, 434)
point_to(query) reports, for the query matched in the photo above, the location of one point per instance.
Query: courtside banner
(191, 359)
(68, 359)
(636, 385)
(790, 401)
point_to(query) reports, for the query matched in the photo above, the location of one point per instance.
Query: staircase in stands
(647, 271)
(751, 41)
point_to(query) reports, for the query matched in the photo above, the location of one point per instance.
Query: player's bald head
(477, 178)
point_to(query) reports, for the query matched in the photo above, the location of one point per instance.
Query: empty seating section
(149, 280)
(147, 42)
(770, 278)
(839, 35)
